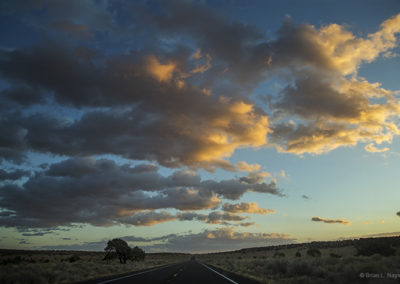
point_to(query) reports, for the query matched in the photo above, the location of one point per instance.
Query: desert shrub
(320, 272)
(279, 254)
(14, 260)
(299, 268)
(74, 258)
(278, 266)
(369, 247)
(298, 254)
(334, 255)
(313, 252)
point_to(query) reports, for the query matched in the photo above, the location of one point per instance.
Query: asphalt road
(189, 272)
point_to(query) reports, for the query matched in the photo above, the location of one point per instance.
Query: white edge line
(219, 273)
(115, 279)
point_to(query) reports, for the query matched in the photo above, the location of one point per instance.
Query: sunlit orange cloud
(215, 136)
(246, 207)
(245, 167)
(371, 148)
(149, 218)
(239, 127)
(339, 110)
(346, 52)
(201, 68)
(161, 72)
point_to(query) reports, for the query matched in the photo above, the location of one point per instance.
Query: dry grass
(24, 267)
(335, 265)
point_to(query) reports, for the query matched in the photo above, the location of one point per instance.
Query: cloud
(101, 192)
(331, 221)
(147, 218)
(371, 148)
(23, 242)
(331, 110)
(13, 175)
(305, 197)
(150, 103)
(159, 121)
(246, 207)
(221, 239)
(255, 177)
(393, 234)
(215, 217)
(164, 87)
(161, 72)
(211, 31)
(74, 29)
(247, 224)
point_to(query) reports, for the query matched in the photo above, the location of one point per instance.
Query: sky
(198, 126)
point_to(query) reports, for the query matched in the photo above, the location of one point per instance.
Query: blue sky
(227, 124)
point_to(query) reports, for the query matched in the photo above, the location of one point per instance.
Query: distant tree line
(118, 248)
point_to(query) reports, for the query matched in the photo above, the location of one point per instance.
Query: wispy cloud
(331, 221)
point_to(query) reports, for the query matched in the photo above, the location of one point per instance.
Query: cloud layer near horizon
(220, 239)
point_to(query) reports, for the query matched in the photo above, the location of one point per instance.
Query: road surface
(189, 272)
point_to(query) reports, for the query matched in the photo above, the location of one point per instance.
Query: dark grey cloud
(305, 197)
(23, 95)
(149, 218)
(174, 87)
(13, 175)
(23, 242)
(313, 97)
(101, 192)
(38, 234)
(59, 16)
(145, 122)
(234, 45)
(160, 109)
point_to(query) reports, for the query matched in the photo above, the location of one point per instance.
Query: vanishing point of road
(189, 272)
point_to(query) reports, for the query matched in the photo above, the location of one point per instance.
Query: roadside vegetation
(358, 261)
(37, 267)
(355, 261)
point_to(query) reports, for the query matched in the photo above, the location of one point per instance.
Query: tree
(119, 248)
(137, 254)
